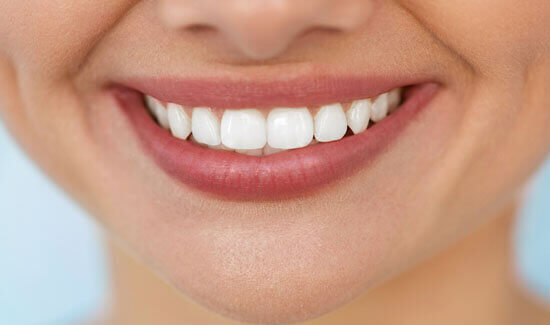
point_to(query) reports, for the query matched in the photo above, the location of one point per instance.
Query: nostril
(200, 28)
(321, 30)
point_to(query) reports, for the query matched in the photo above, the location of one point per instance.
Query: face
(325, 211)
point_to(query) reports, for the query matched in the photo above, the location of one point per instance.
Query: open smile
(272, 140)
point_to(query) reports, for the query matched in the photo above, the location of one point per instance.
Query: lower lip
(287, 174)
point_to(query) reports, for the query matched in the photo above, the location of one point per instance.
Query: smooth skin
(421, 236)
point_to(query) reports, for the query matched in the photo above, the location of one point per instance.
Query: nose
(262, 29)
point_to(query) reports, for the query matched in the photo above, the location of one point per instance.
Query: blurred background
(53, 269)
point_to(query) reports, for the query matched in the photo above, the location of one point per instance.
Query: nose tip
(263, 29)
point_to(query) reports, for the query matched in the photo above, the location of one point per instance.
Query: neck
(470, 283)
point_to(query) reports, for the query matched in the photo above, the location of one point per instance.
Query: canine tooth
(243, 129)
(358, 115)
(330, 123)
(253, 152)
(289, 128)
(205, 126)
(394, 98)
(180, 123)
(160, 113)
(379, 109)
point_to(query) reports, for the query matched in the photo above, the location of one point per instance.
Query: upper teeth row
(248, 131)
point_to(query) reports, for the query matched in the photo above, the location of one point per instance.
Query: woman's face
(295, 234)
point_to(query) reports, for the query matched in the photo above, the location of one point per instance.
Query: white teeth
(243, 129)
(358, 115)
(180, 123)
(394, 98)
(156, 108)
(379, 109)
(247, 131)
(289, 128)
(330, 123)
(152, 104)
(205, 127)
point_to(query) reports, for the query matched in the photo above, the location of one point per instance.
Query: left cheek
(537, 101)
(490, 33)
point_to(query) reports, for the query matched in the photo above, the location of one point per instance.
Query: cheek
(505, 133)
(41, 45)
(505, 137)
(50, 38)
(488, 33)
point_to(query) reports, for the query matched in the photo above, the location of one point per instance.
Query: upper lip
(296, 91)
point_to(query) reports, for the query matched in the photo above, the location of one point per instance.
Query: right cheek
(53, 37)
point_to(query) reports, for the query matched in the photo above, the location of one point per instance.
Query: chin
(276, 275)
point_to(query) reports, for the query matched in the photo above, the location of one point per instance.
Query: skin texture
(457, 167)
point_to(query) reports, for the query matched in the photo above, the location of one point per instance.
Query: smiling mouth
(284, 147)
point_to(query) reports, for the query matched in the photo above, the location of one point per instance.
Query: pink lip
(297, 92)
(287, 174)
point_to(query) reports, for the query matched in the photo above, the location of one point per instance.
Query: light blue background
(52, 264)
(533, 235)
